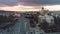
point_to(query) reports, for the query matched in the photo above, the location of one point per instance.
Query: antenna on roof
(43, 3)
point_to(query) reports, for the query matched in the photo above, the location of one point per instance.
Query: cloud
(8, 2)
(39, 2)
(28, 2)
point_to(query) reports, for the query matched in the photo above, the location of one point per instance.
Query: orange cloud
(18, 8)
(29, 8)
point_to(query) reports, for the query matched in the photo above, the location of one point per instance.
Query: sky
(20, 5)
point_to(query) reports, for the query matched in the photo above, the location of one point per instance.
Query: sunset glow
(19, 8)
(29, 8)
(53, 7)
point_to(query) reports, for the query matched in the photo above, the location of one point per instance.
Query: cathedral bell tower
(43, 11)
